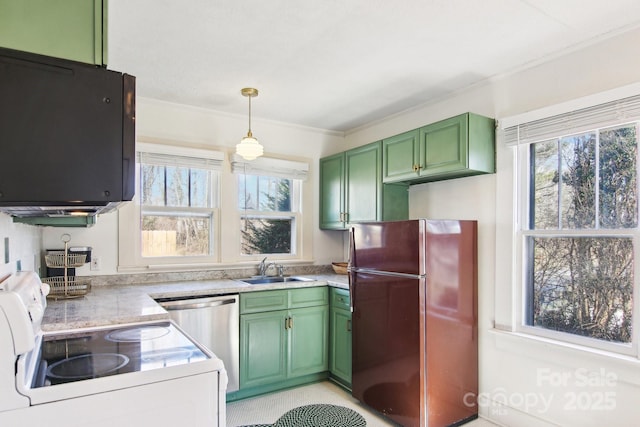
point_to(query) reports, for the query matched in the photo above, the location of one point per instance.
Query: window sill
(177, 267)
(568, 355)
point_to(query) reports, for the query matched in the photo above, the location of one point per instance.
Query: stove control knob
(36, 312)
(45, 288)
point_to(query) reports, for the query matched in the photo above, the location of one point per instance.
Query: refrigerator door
(394, 246)
(414, 302)
(388, 342)
(451, 322)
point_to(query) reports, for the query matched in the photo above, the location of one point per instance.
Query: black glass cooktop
(99, 353)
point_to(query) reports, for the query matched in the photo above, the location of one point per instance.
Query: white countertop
(122, 304)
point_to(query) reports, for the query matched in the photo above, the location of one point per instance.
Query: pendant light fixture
(249, 148)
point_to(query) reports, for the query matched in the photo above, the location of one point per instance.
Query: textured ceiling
(340, 64)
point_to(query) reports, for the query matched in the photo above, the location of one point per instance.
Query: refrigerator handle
(351, 261)
(351, 293)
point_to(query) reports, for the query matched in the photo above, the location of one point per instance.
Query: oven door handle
(193, 304)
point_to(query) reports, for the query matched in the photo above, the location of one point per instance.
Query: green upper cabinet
(351, 189)
(363, 183)
(70, 29)
(457, 147)
(401, 156)
(332, 192)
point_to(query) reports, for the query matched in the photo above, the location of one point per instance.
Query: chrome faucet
(264, 266)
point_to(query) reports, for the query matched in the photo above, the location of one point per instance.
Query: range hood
(67, 138)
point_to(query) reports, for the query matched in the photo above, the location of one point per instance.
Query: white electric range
(135, 374)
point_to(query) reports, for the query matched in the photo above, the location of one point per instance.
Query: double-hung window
(269, 206)
(177, 206)
(577, 229)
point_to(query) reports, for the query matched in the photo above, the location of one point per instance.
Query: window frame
(296, 212)
(226, 240)
(522, 234)
(512, 194)
(130, 256)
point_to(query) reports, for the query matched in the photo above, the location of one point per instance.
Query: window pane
(266, 235)
(174, 235)
(583, 286)
(177, 186)
(545, 184)
(578, 180)
(618, 188)
(283, 195)
(264, 193)
(248, 192)
(200, 189)
(152, 185)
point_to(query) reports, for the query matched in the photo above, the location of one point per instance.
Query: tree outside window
(267, 216)
(176, 214)
(583, 213)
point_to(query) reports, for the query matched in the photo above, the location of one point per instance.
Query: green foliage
(584, 284)
(270, 235)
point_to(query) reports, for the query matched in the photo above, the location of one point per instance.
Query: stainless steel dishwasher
(213, 321)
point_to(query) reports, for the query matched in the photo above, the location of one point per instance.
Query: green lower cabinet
(340, 346)
(263, 348)
(340, 360)
(308, 341)
(282, 348)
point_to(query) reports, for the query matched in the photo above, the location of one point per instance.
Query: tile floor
(267, 409)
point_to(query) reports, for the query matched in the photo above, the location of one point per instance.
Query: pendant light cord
(250, 134)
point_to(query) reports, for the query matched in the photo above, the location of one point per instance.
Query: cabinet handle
(416, 168)
(288, 322)
(349, 325)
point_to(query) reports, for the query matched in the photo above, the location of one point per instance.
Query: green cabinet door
(340, 342)
(263, 348)
(352, 189)
(401, 156)
(280, 348)
(340, 357)
(460, 146)
(70, 29)
(457, 147)
(308, 340)
(444, 146)
(332, 192)
(363, 196)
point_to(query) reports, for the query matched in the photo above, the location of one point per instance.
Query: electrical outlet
(95, 263)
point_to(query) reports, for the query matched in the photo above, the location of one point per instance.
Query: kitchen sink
(273, 279)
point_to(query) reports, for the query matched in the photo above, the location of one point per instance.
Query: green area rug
(318, 416)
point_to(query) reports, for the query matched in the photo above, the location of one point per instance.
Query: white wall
(179, 124)
(24, 246)
(542, 383)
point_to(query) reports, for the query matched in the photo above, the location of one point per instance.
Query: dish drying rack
(65, 287)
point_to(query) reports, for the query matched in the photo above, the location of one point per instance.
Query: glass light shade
(249, 148)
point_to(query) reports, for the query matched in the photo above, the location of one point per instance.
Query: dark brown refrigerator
(415, 330)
